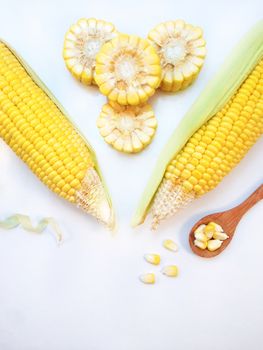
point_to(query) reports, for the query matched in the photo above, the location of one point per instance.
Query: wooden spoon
(228, 219)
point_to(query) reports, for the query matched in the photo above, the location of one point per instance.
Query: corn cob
(216, 133)
(36, 127)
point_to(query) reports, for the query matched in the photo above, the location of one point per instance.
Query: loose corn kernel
(170, 271)
(153, 258)
(170, 245)
(147, 278)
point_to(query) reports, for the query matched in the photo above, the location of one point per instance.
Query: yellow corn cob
(36, 127)
(215, 149)
(232, 122)
(223, 141)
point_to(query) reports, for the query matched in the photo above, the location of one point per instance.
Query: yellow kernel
(170, 245)
(153, 258)
(170, 271)
(148, 278)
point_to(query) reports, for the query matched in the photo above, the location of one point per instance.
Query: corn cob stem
(37, 128)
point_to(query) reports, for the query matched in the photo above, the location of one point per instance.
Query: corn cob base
(214, 150)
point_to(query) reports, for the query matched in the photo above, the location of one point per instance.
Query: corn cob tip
(92, 199)
(168, 200)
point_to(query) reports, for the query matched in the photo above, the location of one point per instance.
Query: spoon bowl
(228, 220)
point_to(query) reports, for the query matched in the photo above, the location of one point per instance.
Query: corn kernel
(170, 271)
(170, 245)
(214, 244)
(153, 258)
(147, 278)
(222, 236)
(199, 244)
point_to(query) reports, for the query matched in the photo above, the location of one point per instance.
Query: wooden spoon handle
(242, 208)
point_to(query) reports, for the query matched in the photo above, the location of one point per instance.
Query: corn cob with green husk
(215, 134)
(37, 128)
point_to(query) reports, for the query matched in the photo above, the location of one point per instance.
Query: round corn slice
(82, 43)
(128, 70)
(181, 48)
(128, 129)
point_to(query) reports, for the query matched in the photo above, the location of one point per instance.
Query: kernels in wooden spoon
(153, 258)
(222, 236)
(170, 245)
(210, 236)
(147, 278)
(170, 271)
(200, 244)
(214, 244)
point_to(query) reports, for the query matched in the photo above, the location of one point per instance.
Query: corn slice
(147, 278)
(170, 245)
(128, 129)
(170, 271)
(181, 48)
(81, 45)
(128, 70)
(154, 259)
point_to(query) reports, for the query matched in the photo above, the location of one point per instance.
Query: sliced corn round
(128, 129)
(82, 43)
(181, 48)
(128, 70)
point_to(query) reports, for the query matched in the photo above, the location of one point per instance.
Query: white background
(86, 294)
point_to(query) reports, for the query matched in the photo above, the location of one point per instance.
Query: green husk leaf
(216, 94)
(24, 220)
